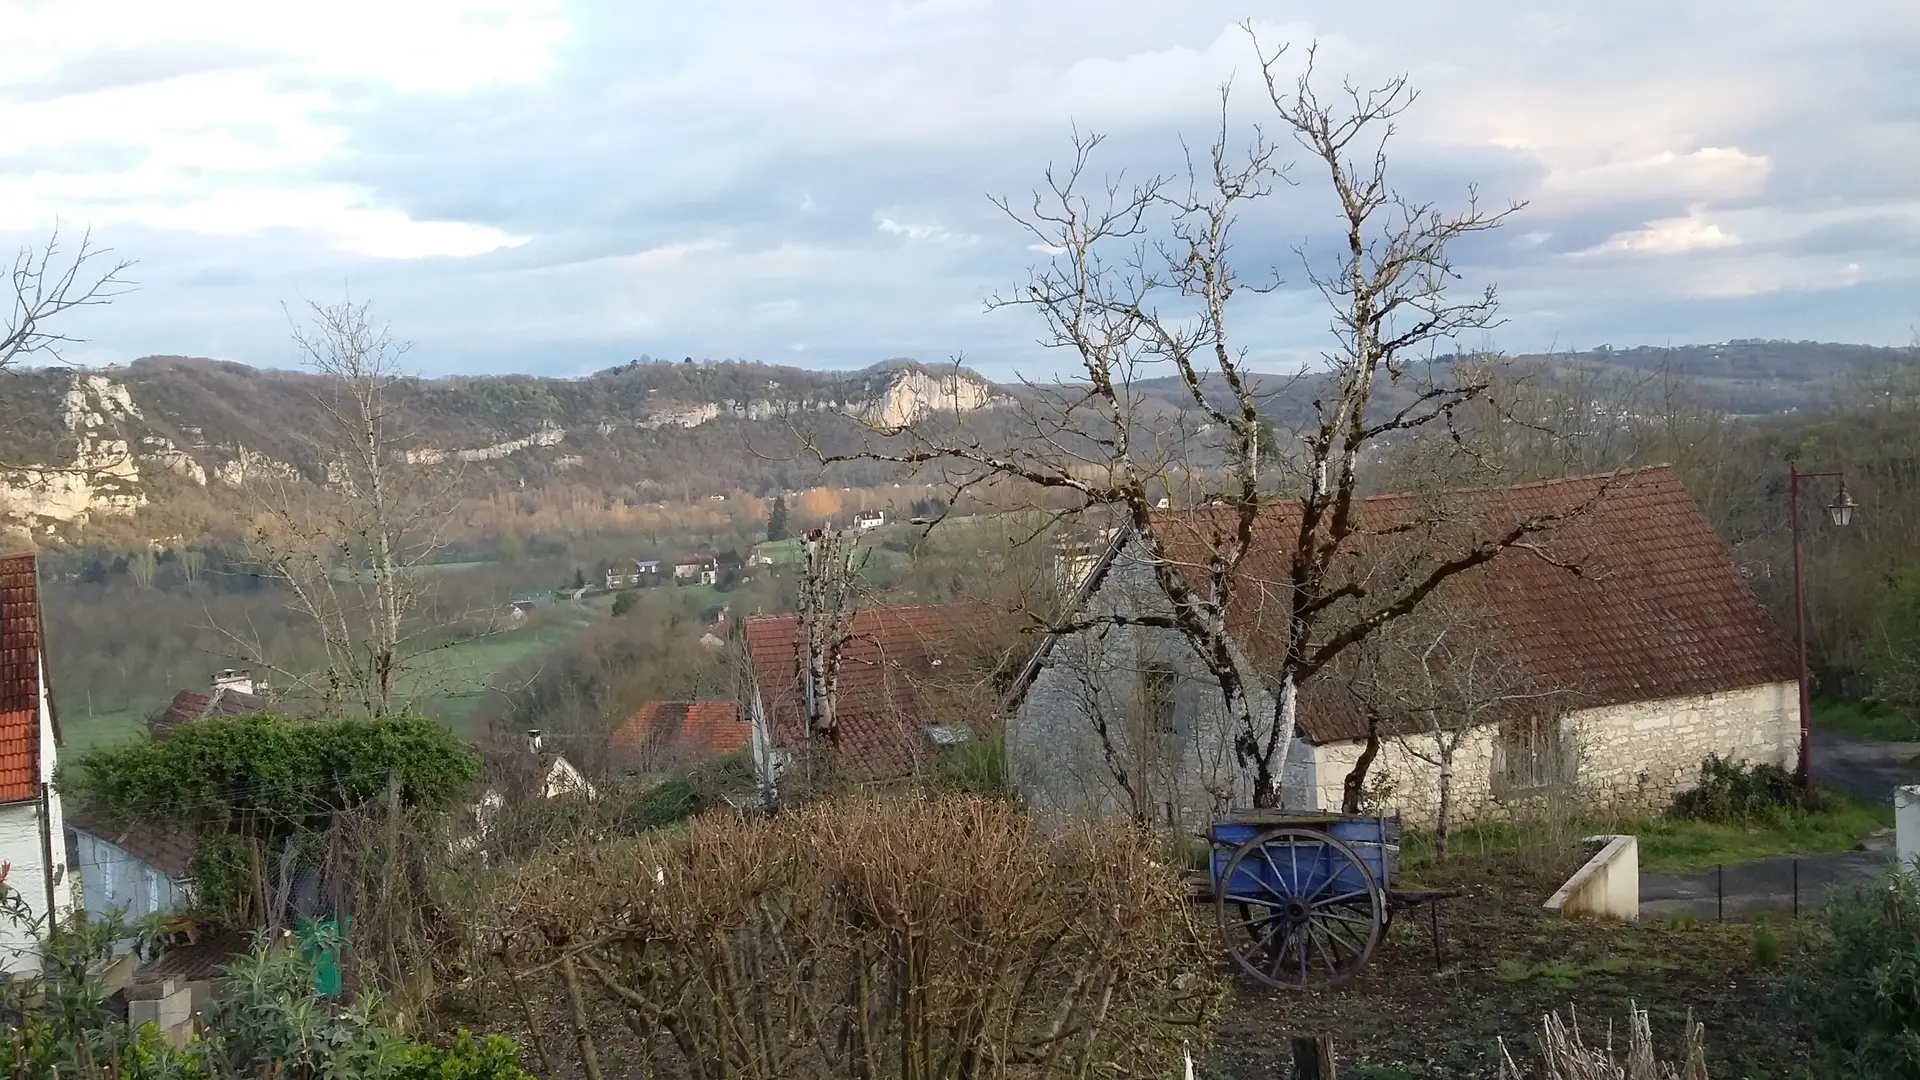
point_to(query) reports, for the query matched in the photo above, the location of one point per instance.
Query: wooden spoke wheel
(1298, 908)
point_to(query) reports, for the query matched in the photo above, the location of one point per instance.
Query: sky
(557, 186)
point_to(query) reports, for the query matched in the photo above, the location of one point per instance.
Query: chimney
(533, 741)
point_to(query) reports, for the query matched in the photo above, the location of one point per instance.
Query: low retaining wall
(1608, 885)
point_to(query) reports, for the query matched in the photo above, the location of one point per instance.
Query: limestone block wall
(1625, 757)
(1641, 755)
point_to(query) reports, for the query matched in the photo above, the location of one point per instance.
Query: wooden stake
(1313, 1057)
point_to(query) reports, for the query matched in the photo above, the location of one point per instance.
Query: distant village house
(867, 520)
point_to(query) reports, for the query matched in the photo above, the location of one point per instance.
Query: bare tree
(349, 550)
(1443, 677)
(1142, 281)
(48, 283)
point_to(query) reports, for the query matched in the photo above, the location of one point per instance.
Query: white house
(1643, 648)
(137, 870)
(867, 520)
(32, 834)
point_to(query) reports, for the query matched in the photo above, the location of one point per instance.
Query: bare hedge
(922, 939)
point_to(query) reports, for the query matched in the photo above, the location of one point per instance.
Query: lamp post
(1841, 510)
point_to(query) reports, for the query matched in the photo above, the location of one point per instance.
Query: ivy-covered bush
(248, 786)
(213, 771)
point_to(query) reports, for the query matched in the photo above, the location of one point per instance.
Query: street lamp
(1841, 510)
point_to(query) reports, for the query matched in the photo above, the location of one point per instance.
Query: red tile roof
(666, 733)
(1624, 594)
(188, 706)
(893, 670)
(19, 679)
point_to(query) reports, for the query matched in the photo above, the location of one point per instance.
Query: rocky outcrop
(546, 436)
(915, 394)
(101, 478)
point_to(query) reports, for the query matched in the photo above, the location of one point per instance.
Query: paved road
(1767, 885)
(1864, 768)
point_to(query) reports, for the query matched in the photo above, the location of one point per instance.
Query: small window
(1530, 756)
(1157, 712)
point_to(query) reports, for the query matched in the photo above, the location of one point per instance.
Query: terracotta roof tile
(662, 734)
(19, 679)
(891, 675)
(1653, 607)
(188, 706)
(167, 848)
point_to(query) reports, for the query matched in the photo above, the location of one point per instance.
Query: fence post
(1313, 1057)
(1720, 892)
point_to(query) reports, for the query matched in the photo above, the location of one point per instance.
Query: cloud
(927, 232)
(556, 183)
(1671, 236)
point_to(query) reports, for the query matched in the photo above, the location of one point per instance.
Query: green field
(447, 684)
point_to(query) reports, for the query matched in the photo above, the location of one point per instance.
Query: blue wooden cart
(1304, 899)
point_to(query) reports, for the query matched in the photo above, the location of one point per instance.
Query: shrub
(1864, 998)
(975, 767)
(1731, 793)
(1766, 945)
(928, 936)
(267, 1022)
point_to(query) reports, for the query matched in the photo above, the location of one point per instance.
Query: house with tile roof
(911, 682)
(664, 736)
(141, 869)
(234, 693)
(1648, 650)
(32, 832)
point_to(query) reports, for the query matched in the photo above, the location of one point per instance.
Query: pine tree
(777, 519)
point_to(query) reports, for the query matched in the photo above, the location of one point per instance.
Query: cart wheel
(1298, 908)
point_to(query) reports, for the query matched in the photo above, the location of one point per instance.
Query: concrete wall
(21, 847)
(1622, 757)
(1608, 886)
(1057, 759)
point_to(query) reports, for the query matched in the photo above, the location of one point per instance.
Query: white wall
(1626, 757)
(111, 879)
(20, 846)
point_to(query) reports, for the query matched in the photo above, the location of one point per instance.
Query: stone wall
(1624, 757)
(1057, 758)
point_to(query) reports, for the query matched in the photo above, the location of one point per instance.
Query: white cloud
(927, 232)
(1709, 173)
(1668, 236)
(222, 117)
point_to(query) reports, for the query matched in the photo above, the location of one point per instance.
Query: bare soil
(1505, 963)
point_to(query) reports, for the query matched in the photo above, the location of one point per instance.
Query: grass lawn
(1867, 721)
(1505, 963)
(449, 683)
(1695, 845)
(1670, 844)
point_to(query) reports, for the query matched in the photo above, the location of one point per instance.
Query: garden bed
(1506, 962)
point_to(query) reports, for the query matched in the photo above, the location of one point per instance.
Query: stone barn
(1642, 649)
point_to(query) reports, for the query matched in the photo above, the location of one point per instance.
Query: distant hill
(1747, 377)
(79, 444)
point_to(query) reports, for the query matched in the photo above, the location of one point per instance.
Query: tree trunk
(1270, 778)
(1445, 810)
(1355, 784)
